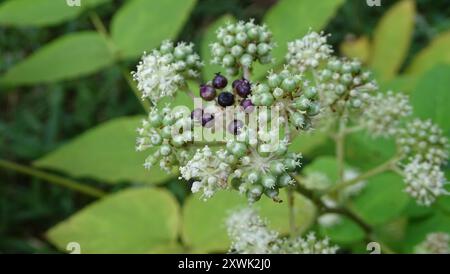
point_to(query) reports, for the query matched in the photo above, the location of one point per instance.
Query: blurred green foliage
(41, 122)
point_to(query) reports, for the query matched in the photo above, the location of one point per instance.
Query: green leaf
(326, 165)
(401, 83)
(392, 39)
(105, 153)
(209, 37)
(39, 13)
(130, 221)
(141, 25)
(437, 52)
(307, 143)
(204, 222)
(364, 151)
(431, 97)
(291, 19)
(70, 56)
(344, 232)
(382, 200)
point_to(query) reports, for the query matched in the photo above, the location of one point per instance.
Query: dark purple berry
(243, 88)
(197, 114)
(207, 92)
(235, 127)
(235, 83)
(247, 105)
(219, 81)
(207, 119)
(225, 99)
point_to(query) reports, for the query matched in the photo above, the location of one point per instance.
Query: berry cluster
(215, 91)
(241, 44)
(165, 70)
(345, 85)
(168, 131)
(292, 95)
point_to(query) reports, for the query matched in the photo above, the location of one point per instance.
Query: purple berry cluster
(215, 90)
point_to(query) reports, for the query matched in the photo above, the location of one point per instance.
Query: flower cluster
(424, 181)
(435, 243)
(383, 114)
(425, 140)
(210, 169)
(165, 70)
(308, 52)
(290, 93)
(241, 44)
(249, 234)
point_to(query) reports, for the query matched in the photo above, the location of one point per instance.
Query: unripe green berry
(156, 139)
(278, 93)
(252, 48)
(266, 99)
(155, 120)
(253, 177)
(311, 93)
(298, 119)
(166, 132)
(237, 51)
(228, 60)
(313, 109)
(273, 80)
(268, 181)
(288, 84)
(277, 167)
(228, 41)
(246, 60)
(263, 49)
(253, 33)
(290, 164)
(241, 38)
(239, 149)
(284, 180)
(272, 193)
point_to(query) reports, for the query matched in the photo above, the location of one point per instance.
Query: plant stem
(291, 201)
(341, 211)
(101, 29)
(54, 179)
(340, 149)
(389, 165)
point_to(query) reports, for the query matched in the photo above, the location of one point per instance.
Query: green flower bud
(252, 48)
(273, 80)
(284, 180)
(228, 41)
(266, 99)
(263, 49)
(241, 38)
(311, 93)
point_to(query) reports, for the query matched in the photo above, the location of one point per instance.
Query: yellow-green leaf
(107, 153)
(131, 221)
(356, 48)
(392, 39)
(71, 56)
(204, 222)
(141, 25)
(41, 13)
(209, 37)
(437, 52)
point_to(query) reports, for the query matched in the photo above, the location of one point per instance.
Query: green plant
(97, 155)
